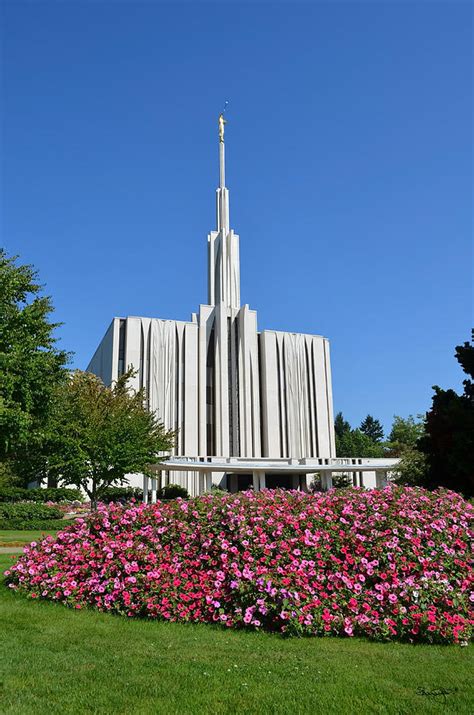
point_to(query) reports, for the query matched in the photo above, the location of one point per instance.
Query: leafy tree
(357, 444)
(412, 468)
(449, 439)
(8, 477)
(405, 433)
(98, 434)
(372, 428)
(30, 363)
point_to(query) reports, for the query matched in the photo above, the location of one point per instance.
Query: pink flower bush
(391, 564)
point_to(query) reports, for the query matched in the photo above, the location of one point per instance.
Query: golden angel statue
(221, 122)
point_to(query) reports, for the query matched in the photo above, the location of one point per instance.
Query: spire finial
(222, 122)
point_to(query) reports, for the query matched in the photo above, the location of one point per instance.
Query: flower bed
(390, 564)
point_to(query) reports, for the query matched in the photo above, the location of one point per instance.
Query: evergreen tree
(372, 428)
(341, 426)
(449, 440)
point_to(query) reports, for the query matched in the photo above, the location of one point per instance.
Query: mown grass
(57, 660)
(10, 537)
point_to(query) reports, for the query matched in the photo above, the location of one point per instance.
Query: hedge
(34, 524)
(122, 494)
(57, 494)
(27, 511)
(173, 491)
(126, 494)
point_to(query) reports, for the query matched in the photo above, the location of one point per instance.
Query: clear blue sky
(349, 165)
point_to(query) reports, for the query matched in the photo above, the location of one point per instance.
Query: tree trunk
(93, 497)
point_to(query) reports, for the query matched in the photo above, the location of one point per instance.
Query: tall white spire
(224, 262)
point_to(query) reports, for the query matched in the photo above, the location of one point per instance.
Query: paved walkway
(11, 549)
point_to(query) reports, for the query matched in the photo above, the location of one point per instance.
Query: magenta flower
(386, 564)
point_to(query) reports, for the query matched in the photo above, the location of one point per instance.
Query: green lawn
(57, 660)
(19, 538)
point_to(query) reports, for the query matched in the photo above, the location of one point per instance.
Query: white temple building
(243, 403)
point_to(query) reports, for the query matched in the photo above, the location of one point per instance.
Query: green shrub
(12, 494)
(412, 469)
(57, 494)
(173, 491)
(126, 494)
(217, 491)
(121, 494)
(27, 511)
(34, 524)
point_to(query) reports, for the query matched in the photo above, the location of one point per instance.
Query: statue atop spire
(221, 122)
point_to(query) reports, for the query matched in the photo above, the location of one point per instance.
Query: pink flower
(386, 564)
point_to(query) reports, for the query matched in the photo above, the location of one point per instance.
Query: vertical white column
(201, 483)
(381, 479)
(256, 481)
(153, 491)
(208, 481)
(262, 481)
(145, 489)
(326, 481)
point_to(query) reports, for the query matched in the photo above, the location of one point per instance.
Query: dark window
(122, 343)
(210, 369)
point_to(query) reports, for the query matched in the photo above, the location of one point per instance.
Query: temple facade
(227, 389)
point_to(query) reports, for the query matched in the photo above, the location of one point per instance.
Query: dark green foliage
(372, 428)
(341, 426)
(28, 510)
(449, 440)
(126, 494)
(59, 494)
(30, 363)
(20, 524)
(121, 494)
(13, 494)
(465, 356)
(8, 477)
(173, 491)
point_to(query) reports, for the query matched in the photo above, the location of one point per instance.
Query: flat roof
(269, 467)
